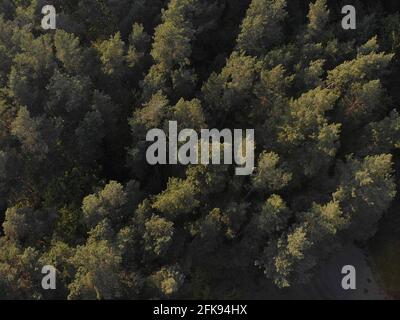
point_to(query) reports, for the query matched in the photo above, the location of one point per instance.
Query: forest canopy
(76, 103)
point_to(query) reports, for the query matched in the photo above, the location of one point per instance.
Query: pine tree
(261, 29)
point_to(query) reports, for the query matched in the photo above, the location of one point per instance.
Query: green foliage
(189, 114)
(113, 202)
(27, 226)
(261, 29)
(231, 90)
(171, 51)
(179, 198)
(365, 192)
(97, 276)
(274, 215)
(111, 54)
(168, 280)
(318, 17)
(382, 136)
(27, 131)
(32, 66)
(158, 235)
(89, 135)
(138, 45)
(306, 132)
(19, 270)
(285, 260)
(269, 177)
(76, 104)
(59, 255)
(68, 51)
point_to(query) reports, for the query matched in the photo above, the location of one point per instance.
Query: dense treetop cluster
(76, 103)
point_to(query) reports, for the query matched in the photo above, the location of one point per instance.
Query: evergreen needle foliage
(76, 103)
